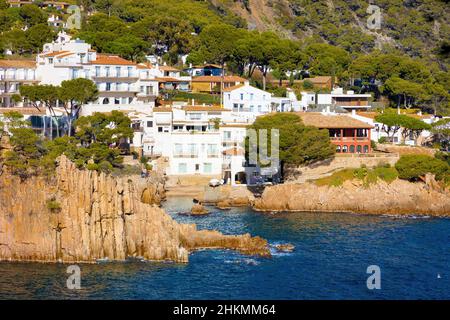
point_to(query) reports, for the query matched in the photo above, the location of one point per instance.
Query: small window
(366, 149)
(149, 124)
(160, 129)
(106, 101)
(242, 96)
(338, 149)
(182, 168)
(352, 149)
(344, 149)
(116, 101)
(358, 149)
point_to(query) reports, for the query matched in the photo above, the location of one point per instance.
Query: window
(251, 96)
(118, 71)
(160, 129)
(235, 107)
(50, 60)
(129, 71)
(366, 149)
(106, 101)
(192, 150)
(97, 71)
(227, 135)
(259, 109)
(252, 108)
(212, 151)
(207, 167)
(197, 167)
(107, 71)
(178, 150)
(344, 149)
(124, 100)
(352, 149)
(116, 101)
(358, 149)
(182, 168)
(108, 86)
(338, 149)
(195, 116)
(149, 124)
(242, 96)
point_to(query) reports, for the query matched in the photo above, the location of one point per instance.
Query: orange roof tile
(205, 108)
(334, 121)
(111, 59)
(54, 53)
(168, 79)
(168, 68)
(162, 109)
(233, 87)
(145, 65)
(218, 79)
(26, 64)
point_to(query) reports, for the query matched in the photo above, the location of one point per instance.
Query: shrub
(92, 166)
(53, 205)
(382, 140)
(413, 167)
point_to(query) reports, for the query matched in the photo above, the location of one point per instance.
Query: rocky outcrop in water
(84, 216)
(398, 198)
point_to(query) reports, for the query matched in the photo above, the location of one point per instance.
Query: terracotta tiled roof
(205, 108)
(168, 79)
(54, 53)
(218, 79)
(111, 59)
(145, 65)
(334, 121)
(168, 68)
(162, 109)
(319, 79)
(233, 87)
(24, 111)
(26, 64)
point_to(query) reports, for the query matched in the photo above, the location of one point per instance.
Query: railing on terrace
(349, 139)
(368, 155)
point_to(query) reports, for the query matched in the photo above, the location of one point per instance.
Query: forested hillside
(406, 60)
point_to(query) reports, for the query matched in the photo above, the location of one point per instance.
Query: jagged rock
(99, 217)
(198, 210)
(398, 197)
(286, 247)
(224, 205)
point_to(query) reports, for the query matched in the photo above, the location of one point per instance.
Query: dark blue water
(332, 254)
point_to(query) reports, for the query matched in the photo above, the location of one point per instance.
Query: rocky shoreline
(83, 216)
(397, 198)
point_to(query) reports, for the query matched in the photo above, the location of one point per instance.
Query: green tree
(298, 144)
(392, 123)
(74, 93)
(415, 167)
(32, 15)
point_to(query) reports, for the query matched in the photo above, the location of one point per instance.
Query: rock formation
(83, 216)
(198, 210)
(399, 198)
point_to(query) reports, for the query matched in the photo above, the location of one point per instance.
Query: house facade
(349, 135)
(212, 84)
(247, 100)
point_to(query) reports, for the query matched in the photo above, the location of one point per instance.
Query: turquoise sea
(330, 261)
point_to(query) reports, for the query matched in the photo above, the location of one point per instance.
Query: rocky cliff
(400, 198)
(83, 216)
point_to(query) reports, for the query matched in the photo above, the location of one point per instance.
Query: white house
(338, 98)
(123, 85)
(247, 100)
(378, 132)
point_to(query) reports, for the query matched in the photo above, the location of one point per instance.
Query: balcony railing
(124, 75)
(349, 139)
(185, 155)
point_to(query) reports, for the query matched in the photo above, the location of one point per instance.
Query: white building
(337, 98)
(378, 132)
(247, 100)
(123, 85)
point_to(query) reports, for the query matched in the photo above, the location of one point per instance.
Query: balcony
(18, 78)
(123, 76)
(349, 139)
(185, 155)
